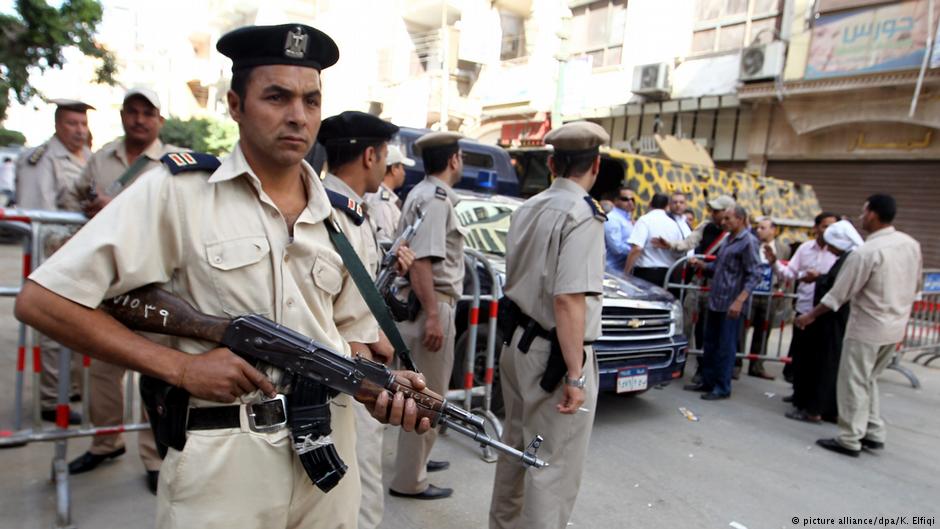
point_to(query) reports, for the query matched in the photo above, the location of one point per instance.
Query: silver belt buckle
(250, 412)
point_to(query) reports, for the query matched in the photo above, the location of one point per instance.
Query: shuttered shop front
(843, 186)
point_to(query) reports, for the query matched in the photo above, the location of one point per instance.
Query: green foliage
(11, 137)
(37, 38)
(213, 136)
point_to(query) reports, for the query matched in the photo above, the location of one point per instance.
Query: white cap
(145, 93)
(395, 156)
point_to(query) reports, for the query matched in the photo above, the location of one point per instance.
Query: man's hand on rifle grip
(220, 375)
(398, 411)
(404, 259)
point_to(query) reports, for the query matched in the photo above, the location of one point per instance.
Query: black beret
(292, 44)
(350, 126)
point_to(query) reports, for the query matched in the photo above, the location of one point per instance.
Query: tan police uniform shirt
(41, 185)
(104, 168)
(440, 236)
(384, 212)
(556, 243)
(881, 278)
(218, 241)
(362, 240)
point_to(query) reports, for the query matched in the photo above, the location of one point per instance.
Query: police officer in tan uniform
(356, 147)
(42, 177)
(384, 204)
(245, 235)
(109, 171)
(436, 278)
(554, 276)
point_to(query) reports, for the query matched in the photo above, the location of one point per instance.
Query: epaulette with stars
(181, 162)
(346, 205)
(385, 195)
(440, 193)
(596, 208)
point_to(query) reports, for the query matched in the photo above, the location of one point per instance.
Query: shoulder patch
(596, 208)
(385, 195)
(181, 162)
(347, 205)
(440, 193)
(37, 154)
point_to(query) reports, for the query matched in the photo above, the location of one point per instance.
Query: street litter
(687, 413)
(736, 525)
(769, 394)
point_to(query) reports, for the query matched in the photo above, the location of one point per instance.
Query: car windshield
(486, 224)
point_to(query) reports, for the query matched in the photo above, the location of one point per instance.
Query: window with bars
(597, 31)
(726, 25)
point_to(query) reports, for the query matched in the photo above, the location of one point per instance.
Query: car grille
(655, 357)
(626, 323)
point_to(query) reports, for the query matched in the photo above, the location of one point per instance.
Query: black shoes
(872, 445)
(701, 388)
(800, 415)
(430, 493)
(437, 466)
(153, 477)
(834, 446)
(88, 461)
(50, 415)
(760, 374)
(714, 396)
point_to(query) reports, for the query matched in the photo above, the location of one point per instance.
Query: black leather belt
(267, 416)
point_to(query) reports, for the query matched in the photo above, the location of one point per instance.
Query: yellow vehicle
(791, 205)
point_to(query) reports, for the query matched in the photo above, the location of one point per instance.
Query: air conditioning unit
(762, 61)
(652, 80)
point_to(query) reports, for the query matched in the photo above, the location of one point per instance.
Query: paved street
(649, 466)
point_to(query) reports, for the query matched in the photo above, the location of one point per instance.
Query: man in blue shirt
(618, 227)
(735, 274)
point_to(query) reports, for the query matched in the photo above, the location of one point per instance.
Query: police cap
(72, 104)
(578, 137)
(433, 140)
(291, 44)
(352, 126)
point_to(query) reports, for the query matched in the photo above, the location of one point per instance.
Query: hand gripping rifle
(255, 338)
(401, 310)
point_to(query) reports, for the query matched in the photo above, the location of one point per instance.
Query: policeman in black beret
(356, 146)
(245, 234)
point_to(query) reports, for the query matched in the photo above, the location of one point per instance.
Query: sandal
(800, 415)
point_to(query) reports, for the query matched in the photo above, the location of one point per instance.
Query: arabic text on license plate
(631, 379)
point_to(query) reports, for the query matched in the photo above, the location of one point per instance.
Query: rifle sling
(370, 294)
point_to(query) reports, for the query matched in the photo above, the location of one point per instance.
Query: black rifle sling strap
(370, 294)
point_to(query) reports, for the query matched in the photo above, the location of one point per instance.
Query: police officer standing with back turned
(554, 279)
(436, 278)
(248, 234)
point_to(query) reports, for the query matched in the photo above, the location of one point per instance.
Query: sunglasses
(626, 199)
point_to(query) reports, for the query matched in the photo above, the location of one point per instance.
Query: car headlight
(675, 313)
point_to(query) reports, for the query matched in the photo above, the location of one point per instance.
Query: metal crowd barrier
(923, 330)
(29, 225)
(922, 335)
(466, 394)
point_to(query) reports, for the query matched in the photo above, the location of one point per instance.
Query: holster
(511, 317)
(166, 406)
(402, 310)
(309, 420)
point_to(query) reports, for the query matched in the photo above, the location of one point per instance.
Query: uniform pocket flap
(327, 275)
(236, 253)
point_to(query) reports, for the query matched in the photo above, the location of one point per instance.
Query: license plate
(631, 379)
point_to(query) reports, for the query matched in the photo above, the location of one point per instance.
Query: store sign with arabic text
(878, 39)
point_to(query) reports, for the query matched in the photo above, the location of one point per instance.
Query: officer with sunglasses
(618, 227)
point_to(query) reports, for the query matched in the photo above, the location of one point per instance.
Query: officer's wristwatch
(575, 382)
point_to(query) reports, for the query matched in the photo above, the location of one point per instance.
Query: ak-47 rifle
(255, 338)
(401, 310)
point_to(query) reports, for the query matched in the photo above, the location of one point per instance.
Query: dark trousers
(721, 346)
(797, 340)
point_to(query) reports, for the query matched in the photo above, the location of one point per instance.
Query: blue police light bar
(487, 181)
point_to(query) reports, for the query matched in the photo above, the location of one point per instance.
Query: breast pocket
(327, 273)
(241, 274)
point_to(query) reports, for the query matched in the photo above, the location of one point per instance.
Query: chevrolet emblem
(635, 323)
(296, 45)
